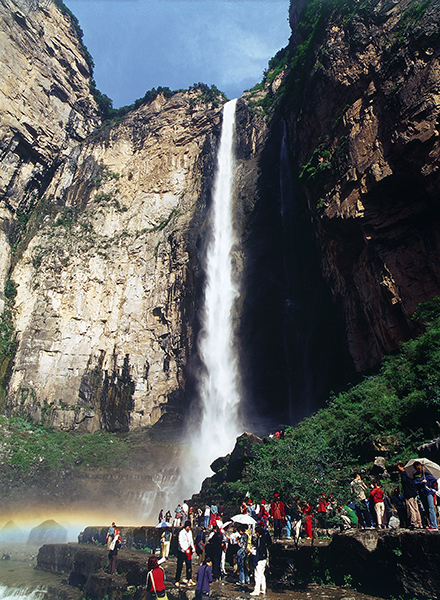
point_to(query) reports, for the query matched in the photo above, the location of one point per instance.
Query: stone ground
(228, 589)
(17, 569)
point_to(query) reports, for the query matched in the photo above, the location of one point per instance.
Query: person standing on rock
(207, 515)
(113, 554)
(243, 575)
(426, 485)
(204, 578)
(165, 541)
(110, 535)
(307, 512)
(379, 505)
(155, 580)
(357, 490)
(184, 552)
(410, 497)
(200, 545)
(263, 540)
(214, 549)
(277, 513)
(214, 515)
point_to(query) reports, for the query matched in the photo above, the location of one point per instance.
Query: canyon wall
(101, 234)
(103, 224)
(361, 101)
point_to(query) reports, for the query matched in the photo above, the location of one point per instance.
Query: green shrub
(400, 404)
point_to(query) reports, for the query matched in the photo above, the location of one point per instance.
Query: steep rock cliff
(45, 108)
(101, 234)
(361, 102)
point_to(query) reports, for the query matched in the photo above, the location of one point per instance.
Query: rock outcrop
(383, 563)
(361, 103)
(398, 564)
(47, 532)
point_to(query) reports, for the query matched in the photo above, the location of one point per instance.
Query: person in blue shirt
(204, 578)
(426, 486)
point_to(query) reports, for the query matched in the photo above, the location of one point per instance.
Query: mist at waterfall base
(218, 421)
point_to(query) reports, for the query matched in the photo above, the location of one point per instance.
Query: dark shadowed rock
(220, 463)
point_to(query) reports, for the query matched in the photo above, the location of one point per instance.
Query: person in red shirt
(379, 505)
(307, 511)
(322, 511)
(277, 513)
(155, 579)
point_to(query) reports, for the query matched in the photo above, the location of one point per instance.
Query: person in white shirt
(184, 552)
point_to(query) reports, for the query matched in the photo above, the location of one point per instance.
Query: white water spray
(219, 394)
(21, 593)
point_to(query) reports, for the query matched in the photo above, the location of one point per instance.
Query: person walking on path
(184, 553)
(410, 497)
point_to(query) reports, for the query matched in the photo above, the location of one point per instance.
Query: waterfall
(220, 398)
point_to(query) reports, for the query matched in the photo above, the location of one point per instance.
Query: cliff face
(100, 234)
(361, 102)
(106, 298)
(45, 105)
(103, 226)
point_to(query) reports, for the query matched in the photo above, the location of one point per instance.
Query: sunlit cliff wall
(99, 234)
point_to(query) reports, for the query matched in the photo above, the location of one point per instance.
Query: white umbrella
(227, 524)
(244, 519)
(163, 524)
(427, 465)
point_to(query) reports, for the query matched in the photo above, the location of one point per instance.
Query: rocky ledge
(397, 563)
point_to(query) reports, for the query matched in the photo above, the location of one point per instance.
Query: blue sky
(140, 44)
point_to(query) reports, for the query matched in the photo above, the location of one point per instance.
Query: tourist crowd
(244, 541)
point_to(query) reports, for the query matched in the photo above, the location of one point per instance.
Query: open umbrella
(244, 519)
(428, 465)
(163, 524)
